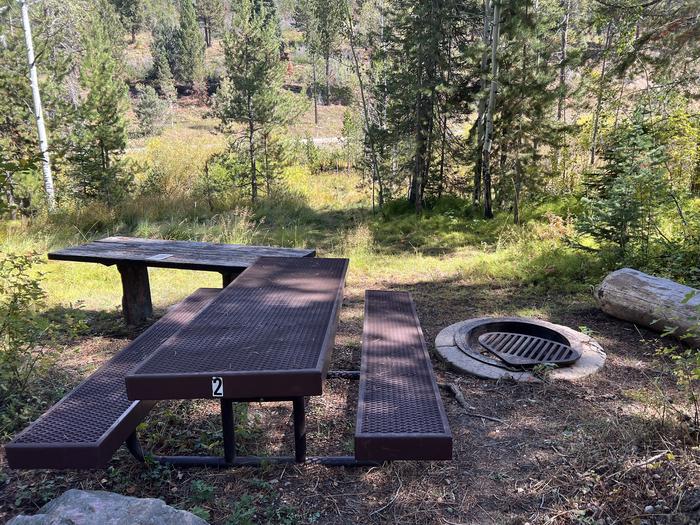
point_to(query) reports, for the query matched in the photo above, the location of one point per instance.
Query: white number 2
(217, 386)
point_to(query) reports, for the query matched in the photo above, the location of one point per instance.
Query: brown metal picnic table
(266, 337)
(133, 256)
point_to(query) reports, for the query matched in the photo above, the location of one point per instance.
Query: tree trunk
(38, 111)
(480, 122)
(313, 89)
(327, 58)
(517, 183)
(10, 195)
(599, 101)
(561, 105)
(376, 176)
(488, 129)
(652, 302)
(207, 32)
(251, 152)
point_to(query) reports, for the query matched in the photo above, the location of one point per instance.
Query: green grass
(329, 213)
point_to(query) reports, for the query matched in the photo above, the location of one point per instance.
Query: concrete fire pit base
(461, 351)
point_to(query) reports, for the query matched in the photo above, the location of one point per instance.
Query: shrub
(625, 200)
(151, 111)
(21, 326)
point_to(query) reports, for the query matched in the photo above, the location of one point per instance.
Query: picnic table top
(268, 334)
(187, 255)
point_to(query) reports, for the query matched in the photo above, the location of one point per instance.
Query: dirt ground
(554, 453)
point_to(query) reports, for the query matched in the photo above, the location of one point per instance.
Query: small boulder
(94, 507)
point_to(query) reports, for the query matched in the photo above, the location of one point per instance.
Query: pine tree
(18, 144)
(161, 74)
(328, 16)
(132, 14)
(305, 20)
(424, 54)
(625, 200)
(188, 61)
(211, 14)
(100, 133)
(151, 111)
(251, 94)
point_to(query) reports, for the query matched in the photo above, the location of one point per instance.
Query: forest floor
(560, 452)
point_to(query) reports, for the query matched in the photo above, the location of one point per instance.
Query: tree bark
(327, 58)
(488, 129)
(480, 122)
(374, 161)
(599, 100)
(251, 150)
(653, 302)
(561, 105)
(313, 90)
(38, 110)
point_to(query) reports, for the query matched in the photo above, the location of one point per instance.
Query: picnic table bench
(266, 337)
(134, 256)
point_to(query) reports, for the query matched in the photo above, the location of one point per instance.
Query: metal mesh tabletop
(269, 334)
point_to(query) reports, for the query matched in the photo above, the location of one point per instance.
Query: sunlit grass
(329, 212)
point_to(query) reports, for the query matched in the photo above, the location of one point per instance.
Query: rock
(93, 507)
(649, 509)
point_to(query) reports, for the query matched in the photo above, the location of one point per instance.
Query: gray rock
(94, 507)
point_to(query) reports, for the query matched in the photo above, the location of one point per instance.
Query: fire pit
(518, 348)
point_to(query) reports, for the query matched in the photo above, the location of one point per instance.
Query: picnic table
(133, 257)
(267, 337)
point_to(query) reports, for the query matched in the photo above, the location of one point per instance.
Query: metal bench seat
(86, 427)
(400, 413)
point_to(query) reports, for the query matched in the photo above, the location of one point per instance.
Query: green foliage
(624, 201)
(211, 14)
(685, 365)
(251, 94)
(161, 73)
(99, 136)
(151, 111)
(201, 491)
(21, 324)
(188, 61)
(311, 154)
(132, 14)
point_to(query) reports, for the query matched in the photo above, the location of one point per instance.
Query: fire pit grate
(527, 351)
(462, 346)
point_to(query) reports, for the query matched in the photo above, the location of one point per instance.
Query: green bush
(22, 329)
(151, 111)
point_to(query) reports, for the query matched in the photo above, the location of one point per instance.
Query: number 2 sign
(217, 387)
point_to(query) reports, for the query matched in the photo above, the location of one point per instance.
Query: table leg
(136, 298)
(228, 277)
(299, 429)
(228, 428)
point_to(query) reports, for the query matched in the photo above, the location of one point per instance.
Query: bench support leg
(299, 429)
(134, 446)
(231, 460)
(136, 298)
(228, 428)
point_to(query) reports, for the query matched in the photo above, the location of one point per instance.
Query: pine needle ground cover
(561, 452)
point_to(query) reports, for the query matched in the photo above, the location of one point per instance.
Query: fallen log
(653, 302)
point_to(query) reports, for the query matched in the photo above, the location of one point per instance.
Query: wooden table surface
(134, 256)
(187, 255)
